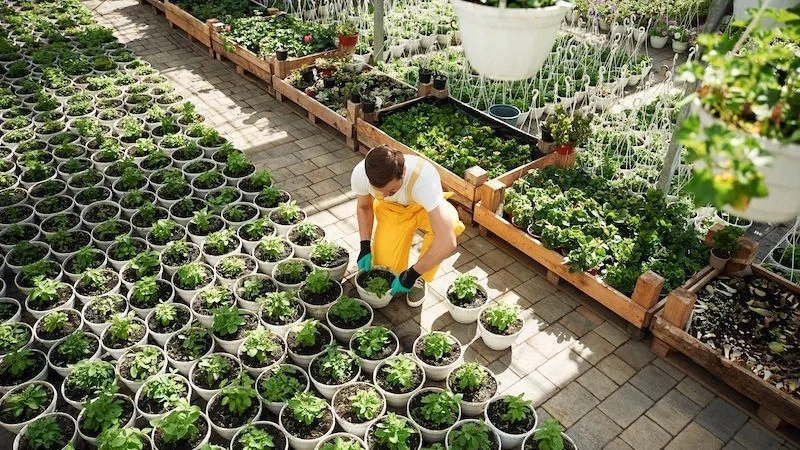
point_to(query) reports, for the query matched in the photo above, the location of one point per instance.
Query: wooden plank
(554, 262)
(195, 28)
(157, 4)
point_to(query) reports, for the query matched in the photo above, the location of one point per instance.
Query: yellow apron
(397, 224)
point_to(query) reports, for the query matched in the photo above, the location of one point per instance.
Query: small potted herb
(500, 324)
(146, 216)
(163, 232)
(10, 309)
(332, 369)
(393, 432)
(99, 310)
(202, 224)
(279, 383)
(16, 234)
(124, 249)
(269, 198)
(357, 406)
(116, 438)
(398, 378)
(252, 233)
(166, 319)
(184, 209)
(99, 212)
(64, 244)
(232, 267)
(307, 420)
(548, 436)
(318, 292)
(330, 256)
(187, 346)
(374, 286)
(472, 434)
(207, 300)
(434, 411)
(251, 290)
(160, 394)
(145, 264)
(291, 273)
(438, 353)
(48, 295)
(104, 411)
(76, 347)
(260, 435)
(25, 403)
(235, 405)
(270, 251)
(466, 298)
(348, 315)
(476, 384)
(285, 216)
(24, 253)
(280, 311)
(303, 236)
(27, 277)
(183, 427)
(21, 366)
(103, 235)
(261, 349)
(56, 325)
(255, 183)
(178, 254)
(512, 418)
(15, 336)
(230, 327)
(306, 340)
(54, 431)
(237, 168)
(87, 378)
(211, 372)
(207, 181)
(96, 282)
(726, 244)
(139, 363)
(373, 345)
(122, 333)
(191, 278)
(219, 244)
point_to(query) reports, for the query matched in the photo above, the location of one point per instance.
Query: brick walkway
(574, 359)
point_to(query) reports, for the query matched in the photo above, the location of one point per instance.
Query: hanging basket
(508, 44)
(782, 203)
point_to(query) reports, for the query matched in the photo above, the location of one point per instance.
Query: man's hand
(365, 256)
(405, 281)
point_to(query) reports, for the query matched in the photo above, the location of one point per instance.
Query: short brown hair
(384, 164)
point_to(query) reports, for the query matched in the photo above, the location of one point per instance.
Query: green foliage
(470, 436)
(283, 384)
(726, 240)
(348, 309)
(318, 282)
(165, 313)
(239, 395)
(122, 327)
(195, 341)
(340, 443)
(366, 404)
(227, 321)
(394, 432)
(272, 246)
(54, 321)
(465, 286)
(502, 315)
(263, 36)
(220, 241)
(45, 291)
(306, 407)
(232, 266)
(116, 438)
(45, 434)
(145, 362)
(26, 402)
(441, 408)
(437, 344)
(548, 436)
(102, 412)
(17, 362)
(145, 291)
(260, 345)
(470, 376)
(292, 271)
(399, 371)
(325, 251)
(179, 424)
(370, 342)
(74, 347)
(569, 127)
(378, 286)
(278, 306)
(254, 438)
(214, 367)
(163, 388)
(91, 377)
(336, 364)
(306, 332)
(517, 408)
(191, 275)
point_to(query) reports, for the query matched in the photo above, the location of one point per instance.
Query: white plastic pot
(116, 353)
(256, 371)
(458, 424)
(263, 422)
(93, 440)
(319, 311)
(140, 394)
(509, 440)
(203, 442)
(428, 434)
(305, 444)
(73, 439)
(369, 365)
(97, 328)
(224, 432)
(65, 371)
(472, 409)
(498, 341)
(276, 407)
(161, 338)
(466, 315)
(394, 400)
(374, 301)
(345, 334)
(356, 429)
(327, 390)
(293, 287)
(563, 435)
(40, 376)
(48, 343)
(508, 44)
(15, 317)
(411, 423)
(232, 346)
(304, 360)
(134, 385)
(17, 427)
(184, 367)
(437, 373)
(206, 394)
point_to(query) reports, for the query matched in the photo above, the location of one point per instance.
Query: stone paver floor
(574, 361)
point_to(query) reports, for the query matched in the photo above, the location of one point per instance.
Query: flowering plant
(681, 33)
(660, 28)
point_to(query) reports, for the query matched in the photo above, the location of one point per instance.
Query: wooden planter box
(760, 399)
(638, 309)
(196, 30)
(467, 189)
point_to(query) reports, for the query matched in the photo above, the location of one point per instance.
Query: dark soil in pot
(260, 255)
(478, 300)
(284, 197)
(497, 409)
(31, 371)
(365, 277)
(448, 358)
(183, 317)
(151, 406)
(278, 437)
(200, 307)
(187, 209)
(177, 234)
(229, 247)
(271, 358)
(187, 444)
(11, 197)
(28, 232)
(164, 293)
(344, 405)
(416, 381)
(67, 427)
(415, 406)
(140, 247)
(48, 188)
(283, 278)
(325, 298)
(221, 416)
(198, 167)
(249, 266)
(250, 324)
(93, 316)
(79, 239)
(64, 222)
(483, 393)
(275, 216)
(101, 213)
(72, 324)
(64, 294)
(413, 441)
(531, 444)
(97, 261)
(175, 350)
(91, 291)
(127, 413)
(125, 368)
(263, 287)
(317, 429)
(60, 361)
(175, 259)
(138, 221)
(134, 336)
(130, 275)
(52, 205)
(341, 257)
(92, 194)
(215, 224)
(51, 271)
(200, 379)
(386, 351)
(318, 375)
(6, 416)
(323, 339)
(297, 312)
(338, 322)
(305, 241)
(7, 311)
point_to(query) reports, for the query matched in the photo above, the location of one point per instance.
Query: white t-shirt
(427, 190)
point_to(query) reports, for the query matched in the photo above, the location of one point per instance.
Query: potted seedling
(166, 319)
(208, 300)
(374, 286)
(230, 327)
(211, 372)
(160, 394)
(252, 233)
(466, 298)
(303, 236)
(203, 224)
(434, 411)
(232, 267)
(147, 215)
(21, 366)
(184, 209)
(512, 418)
(99, 310)
(373, 345)
(348, 34)
(476, 384)
(332, 369)
(102, 412)
(306, 340)
(341, 441)
(287, 215)
(280, 311)
(330, 256)
(48, 295)
(260, 435)
(290, 274)
(569, 129)
(116, 438)
(15, 336)
(71, 350)
(251, 290)
(187, 154)
(261, 349)
(54, 431)
(60, 222)
(64, 244)
(44, 269)
(122, 333)
(96, 282)
(104, 234)
(500, 325)
(51, 206)
(124, 249)
(10, 310)
(183, 427)
(178, 254)
(56, 325)
(548, 436)
(237, 168)
(163, 232)
(206, 182)
(187, 346)
(726, 244)
(239, 214)
(86, 258)
(472, 434)
(252, 185)
(87, 378)
(438, 353)
(99, 212)
(398, 378)
(16, 234)
(93, 194)
(357, 406)
(270, 251)
(140, 363)
(270, 198)
(393, 432)
(348, 315)
(25, 403)
(279, 383)
(192, 278)
(317, 293)
(194, 169)
(233, 407)
(307, 420)
(219, 244)
(25, 253)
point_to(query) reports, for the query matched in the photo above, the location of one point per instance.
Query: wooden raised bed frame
(196, 30)
(776, 409)
(638, 309)
(466, 190)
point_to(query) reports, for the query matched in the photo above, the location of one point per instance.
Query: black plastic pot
(355, 97)
(308, 76)
(546, 135)
(328, 82)
(282, 55)
(425, 76)
(368, 107)
(439, 83)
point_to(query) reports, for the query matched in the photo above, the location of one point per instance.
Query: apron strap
(413, 180)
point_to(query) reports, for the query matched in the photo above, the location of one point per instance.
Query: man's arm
(444, 240)
(365, 216)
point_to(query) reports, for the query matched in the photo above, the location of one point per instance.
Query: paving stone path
(574, 360)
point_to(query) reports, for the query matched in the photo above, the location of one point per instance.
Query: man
(402, 193)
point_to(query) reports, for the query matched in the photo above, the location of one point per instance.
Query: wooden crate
(760, 399)
(244, 59)
(196, 30)
(282, 69)
(638, 309)
(467, 189)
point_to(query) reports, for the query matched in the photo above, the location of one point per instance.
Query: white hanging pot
(508, 44)
(782, 204)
